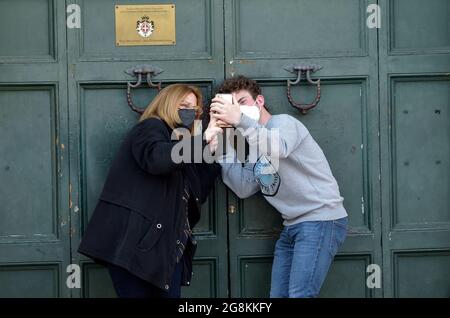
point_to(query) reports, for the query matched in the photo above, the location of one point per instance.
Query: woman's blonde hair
(165, 105)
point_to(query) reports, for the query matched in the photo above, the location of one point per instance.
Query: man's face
(244, 98)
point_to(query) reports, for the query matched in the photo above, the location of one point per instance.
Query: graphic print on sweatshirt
(266, 176)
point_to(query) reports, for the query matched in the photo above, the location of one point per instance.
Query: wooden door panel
(30, 280)
(415, 138)
(297, 28)
(29, 191)
(416, 27)
(347, 278)
(28, 31)
(34, 166)
(421, 146)
(434, 282)
(339, 125)
(194, 33)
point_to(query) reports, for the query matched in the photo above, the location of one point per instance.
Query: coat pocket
(150, 234)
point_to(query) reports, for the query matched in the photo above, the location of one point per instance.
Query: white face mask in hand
(251, 111)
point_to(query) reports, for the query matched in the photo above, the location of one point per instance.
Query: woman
(141, 226)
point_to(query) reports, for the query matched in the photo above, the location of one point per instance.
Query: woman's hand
(212, 131)
(223, 111)
(211, 137)
(213, 144)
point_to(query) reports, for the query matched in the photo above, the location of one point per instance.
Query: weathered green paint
(100, 116)
(347, 50)
(415, 147)
(34, 157)
(383, 123)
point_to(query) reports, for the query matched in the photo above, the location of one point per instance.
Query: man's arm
(240, 179)
(275, 143)
(237, 176)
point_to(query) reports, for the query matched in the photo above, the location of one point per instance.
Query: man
(301, 187)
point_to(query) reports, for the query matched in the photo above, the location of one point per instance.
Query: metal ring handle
(151, 84)
(304, 108)
(138, 71)
(138, 82)
(308, 78)
(299, 78)
(299, 70)
(130, 102)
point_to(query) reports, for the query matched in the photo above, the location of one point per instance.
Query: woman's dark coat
(139, 216)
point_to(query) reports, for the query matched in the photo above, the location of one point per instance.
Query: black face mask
(187, 117)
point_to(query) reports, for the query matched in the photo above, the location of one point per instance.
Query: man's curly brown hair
(238, 83)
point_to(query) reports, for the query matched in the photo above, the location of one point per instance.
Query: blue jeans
(303, 255)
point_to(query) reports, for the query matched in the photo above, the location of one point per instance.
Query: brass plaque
(145, 24)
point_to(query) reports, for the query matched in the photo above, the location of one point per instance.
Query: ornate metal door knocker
(301, 69)
(139, 71)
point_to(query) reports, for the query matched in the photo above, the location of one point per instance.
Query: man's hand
(222, 124)
(223, 111)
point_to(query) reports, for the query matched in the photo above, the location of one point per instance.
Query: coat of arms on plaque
(145, 27)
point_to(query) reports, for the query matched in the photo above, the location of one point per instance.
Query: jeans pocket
(339, 233)
(343, 223)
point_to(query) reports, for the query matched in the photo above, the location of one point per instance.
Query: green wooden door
(415, 139)
(34, 163)
(383, 123)
(99, 117)
(261, 38)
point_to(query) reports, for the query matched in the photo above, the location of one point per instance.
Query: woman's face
(190, 101)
